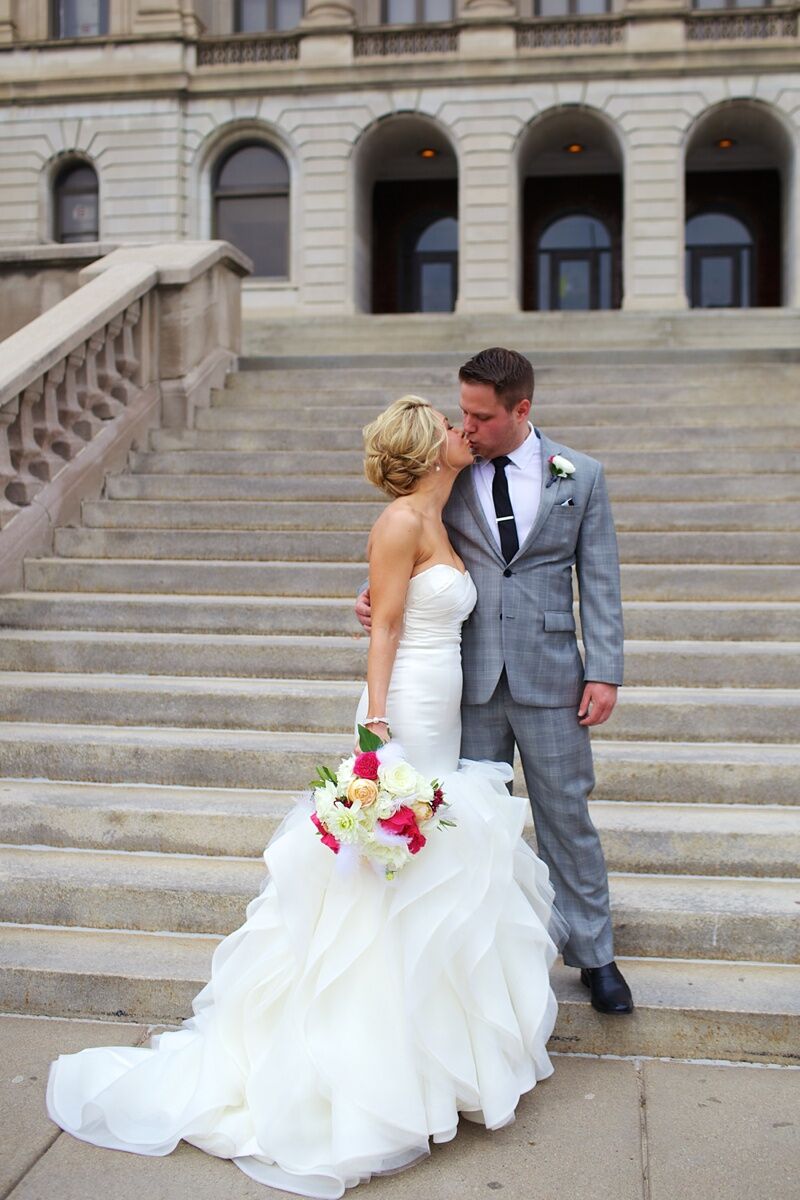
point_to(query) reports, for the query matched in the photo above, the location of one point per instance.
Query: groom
(521, 517)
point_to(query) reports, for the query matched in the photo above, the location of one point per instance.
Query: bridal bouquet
(376, 806)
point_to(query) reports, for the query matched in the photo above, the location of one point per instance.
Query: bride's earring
(438, 466)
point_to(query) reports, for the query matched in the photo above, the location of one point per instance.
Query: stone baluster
(90, 394)
(112, 385)
(50, 434)
(70, 410)
(8, 416)
(30, 465)
(127, 358)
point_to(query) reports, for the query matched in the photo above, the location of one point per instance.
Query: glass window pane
(552, 8)
(711, 3)
(81, 18)
(440, 235)
(576, 233)
(592, 7)
(252, 16)
(437, 10)
(253, 167)
(544, 282)
(401, 12)
(288, 13)
(604, 300)
(717, 229)
(574, 280)
(436, 287)
(77, 217)
(716, 281)
(258, 225)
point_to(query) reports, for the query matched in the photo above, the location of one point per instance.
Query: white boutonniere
(560, 468)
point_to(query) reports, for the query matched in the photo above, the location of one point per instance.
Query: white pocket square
(568, 503)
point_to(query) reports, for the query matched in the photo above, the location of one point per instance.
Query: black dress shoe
(610, 993)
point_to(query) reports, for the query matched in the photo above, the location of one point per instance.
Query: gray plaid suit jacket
(524, 620)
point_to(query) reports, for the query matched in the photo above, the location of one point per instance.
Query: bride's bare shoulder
(398, 527)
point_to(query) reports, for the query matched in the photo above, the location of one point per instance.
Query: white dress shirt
(524, 475)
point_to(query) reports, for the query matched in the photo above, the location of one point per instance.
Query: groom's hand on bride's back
(364, 609)
(597, 703)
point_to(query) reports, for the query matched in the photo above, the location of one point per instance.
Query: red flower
(438, 798)
(327, 838)
(404, 823)
(366, 765)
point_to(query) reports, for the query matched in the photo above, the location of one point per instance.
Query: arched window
(719, 261)
(435, 266)
(251, 206)
(574, 264)
(80, 18)
(265, 16)
(76, 207)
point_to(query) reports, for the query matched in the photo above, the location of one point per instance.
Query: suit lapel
(547, 495)
(469, 492)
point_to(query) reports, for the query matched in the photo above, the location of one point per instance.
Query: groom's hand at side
(597, 703)
(364, 610)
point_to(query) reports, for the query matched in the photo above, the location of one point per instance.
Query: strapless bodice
(438, 601)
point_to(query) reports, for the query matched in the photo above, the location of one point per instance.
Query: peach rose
(365, 791)
(422, 811)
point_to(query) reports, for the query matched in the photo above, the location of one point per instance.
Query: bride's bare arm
(393, 553)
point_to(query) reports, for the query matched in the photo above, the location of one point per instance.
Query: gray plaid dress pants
(557, 761)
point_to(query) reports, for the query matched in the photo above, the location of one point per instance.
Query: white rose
(563, 464)
(398, 778)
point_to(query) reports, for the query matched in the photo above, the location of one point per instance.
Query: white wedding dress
(350, 1019)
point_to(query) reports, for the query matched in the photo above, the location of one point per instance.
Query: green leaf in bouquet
(367, 740)
(447, 824)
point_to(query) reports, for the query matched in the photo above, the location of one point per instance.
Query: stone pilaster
(8, 24)
(166, 16)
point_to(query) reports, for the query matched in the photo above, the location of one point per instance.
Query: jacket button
(508, 572)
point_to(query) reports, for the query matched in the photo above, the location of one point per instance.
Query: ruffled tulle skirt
(349, 1020)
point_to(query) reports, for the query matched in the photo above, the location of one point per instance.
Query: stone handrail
(142, 342)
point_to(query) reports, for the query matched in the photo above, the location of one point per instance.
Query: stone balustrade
(144, 339)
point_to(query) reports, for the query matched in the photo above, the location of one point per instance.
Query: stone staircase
(175, 670)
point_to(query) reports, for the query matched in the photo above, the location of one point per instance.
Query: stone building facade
(390, 155)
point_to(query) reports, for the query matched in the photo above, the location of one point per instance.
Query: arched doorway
(406, 219)
(251, 206)
(574, 264)
(737, 166)
(76, 204)
(719, 261)
(571, 176)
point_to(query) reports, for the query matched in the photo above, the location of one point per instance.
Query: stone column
(329, 40)
(490, 33)
(166, 16)
(8, 24)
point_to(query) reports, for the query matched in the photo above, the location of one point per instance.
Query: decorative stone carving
(220, 52)
(417, 41)
(565, 35)
(328, 12)
(740, 26)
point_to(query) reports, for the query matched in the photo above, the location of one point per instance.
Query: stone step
(703, 839)
(717, 440)
(358, 515)
(688, 489)
(670, 916)
(343, 545)
(251, 410)
(745, 1012)
(269, 462)
(671, 581)
(648, 664)
(328, 705)
(297, 615)
(638, 771)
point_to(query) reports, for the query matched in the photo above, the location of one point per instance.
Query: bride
(352, 1018)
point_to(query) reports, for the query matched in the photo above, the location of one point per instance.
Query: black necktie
(509, 542)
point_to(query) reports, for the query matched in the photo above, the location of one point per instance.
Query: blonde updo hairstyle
(403, 444)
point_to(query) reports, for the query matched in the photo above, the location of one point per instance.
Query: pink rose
(404, 823)
(366, 765)
(327, 838)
